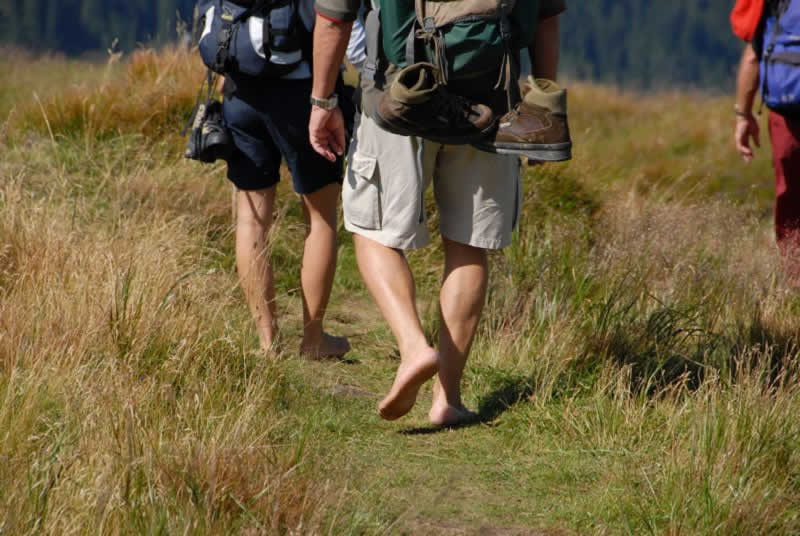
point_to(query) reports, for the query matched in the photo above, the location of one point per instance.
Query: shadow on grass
(507, 392)
(332, 359)
(344, 360)
(676, 347)
(505, 395)
(670, 348)
(776, 351)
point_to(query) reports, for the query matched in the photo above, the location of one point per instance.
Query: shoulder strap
(229, 27)
(776, 31)
(372, 27)
(424, 29)
(223, 40)
(777, 11)
(509, 71)
(257, 5)
(306, 37)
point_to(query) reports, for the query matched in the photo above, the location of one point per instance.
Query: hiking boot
(537, 127)
(417, 105)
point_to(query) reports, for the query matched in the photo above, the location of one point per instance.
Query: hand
(326, 132)
(746, 128)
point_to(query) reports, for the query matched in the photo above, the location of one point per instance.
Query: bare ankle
(313, 333)
(416, 350)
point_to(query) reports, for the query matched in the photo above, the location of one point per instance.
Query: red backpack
(745, 17)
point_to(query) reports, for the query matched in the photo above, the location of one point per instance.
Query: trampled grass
(636, 370)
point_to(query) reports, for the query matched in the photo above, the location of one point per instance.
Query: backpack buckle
(369, 71)
(505, 28)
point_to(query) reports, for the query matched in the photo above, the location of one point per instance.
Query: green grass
(635, 371)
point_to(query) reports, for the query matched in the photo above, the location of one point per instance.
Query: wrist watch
(326, 104)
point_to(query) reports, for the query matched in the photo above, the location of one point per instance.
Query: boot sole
(449, 140)
(550, 152)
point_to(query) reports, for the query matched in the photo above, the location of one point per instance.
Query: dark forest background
(632, 43)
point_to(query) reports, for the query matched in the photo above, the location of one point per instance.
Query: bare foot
(329, 347)
(446, 415)
(269, 343)
(270, 339)
(411, 374)
(272, 350)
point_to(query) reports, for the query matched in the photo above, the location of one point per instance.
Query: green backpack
(474, 43)
(463, 38)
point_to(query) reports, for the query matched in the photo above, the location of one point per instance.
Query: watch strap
(326, 104)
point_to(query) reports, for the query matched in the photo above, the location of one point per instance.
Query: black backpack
(265, 39)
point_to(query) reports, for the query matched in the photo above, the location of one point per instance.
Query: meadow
(636, 370)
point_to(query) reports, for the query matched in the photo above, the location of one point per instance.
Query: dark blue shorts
(268, 123)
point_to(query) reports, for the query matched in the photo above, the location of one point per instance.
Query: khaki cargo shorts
(478, 194)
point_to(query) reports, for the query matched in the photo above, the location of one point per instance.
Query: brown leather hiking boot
(417, 105)
(537, 127)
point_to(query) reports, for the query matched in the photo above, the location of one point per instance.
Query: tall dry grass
(132, 400)
(152, 97)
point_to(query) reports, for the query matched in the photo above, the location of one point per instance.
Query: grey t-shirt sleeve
(551, 8)
(338, 10)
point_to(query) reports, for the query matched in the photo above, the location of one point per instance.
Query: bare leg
(253, 221)
(388, 278)
(461, 300)
(319, 267)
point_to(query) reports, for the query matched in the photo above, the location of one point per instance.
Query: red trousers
(785, 136)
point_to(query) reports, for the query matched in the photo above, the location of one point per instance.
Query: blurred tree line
(647, 44)
(77, 26)
(634, 43)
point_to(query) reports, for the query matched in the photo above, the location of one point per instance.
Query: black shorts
(269, 122)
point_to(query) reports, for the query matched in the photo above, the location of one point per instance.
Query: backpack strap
(427, 31)
(211, 81)
(294, 24)
(227, 31)
(257, 5)
(372, 27)
(223, 40)
(779, 9)
(306, 37)
(411, 45)
(509, 70)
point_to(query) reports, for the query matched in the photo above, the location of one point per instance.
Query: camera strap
(211, 81)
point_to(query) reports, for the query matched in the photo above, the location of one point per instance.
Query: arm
(326, 127)
(545, 50)
(746, 88)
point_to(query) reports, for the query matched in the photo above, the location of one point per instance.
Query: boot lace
(512, 114)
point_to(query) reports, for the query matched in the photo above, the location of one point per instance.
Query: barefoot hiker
(266, 109)
(477, 193)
